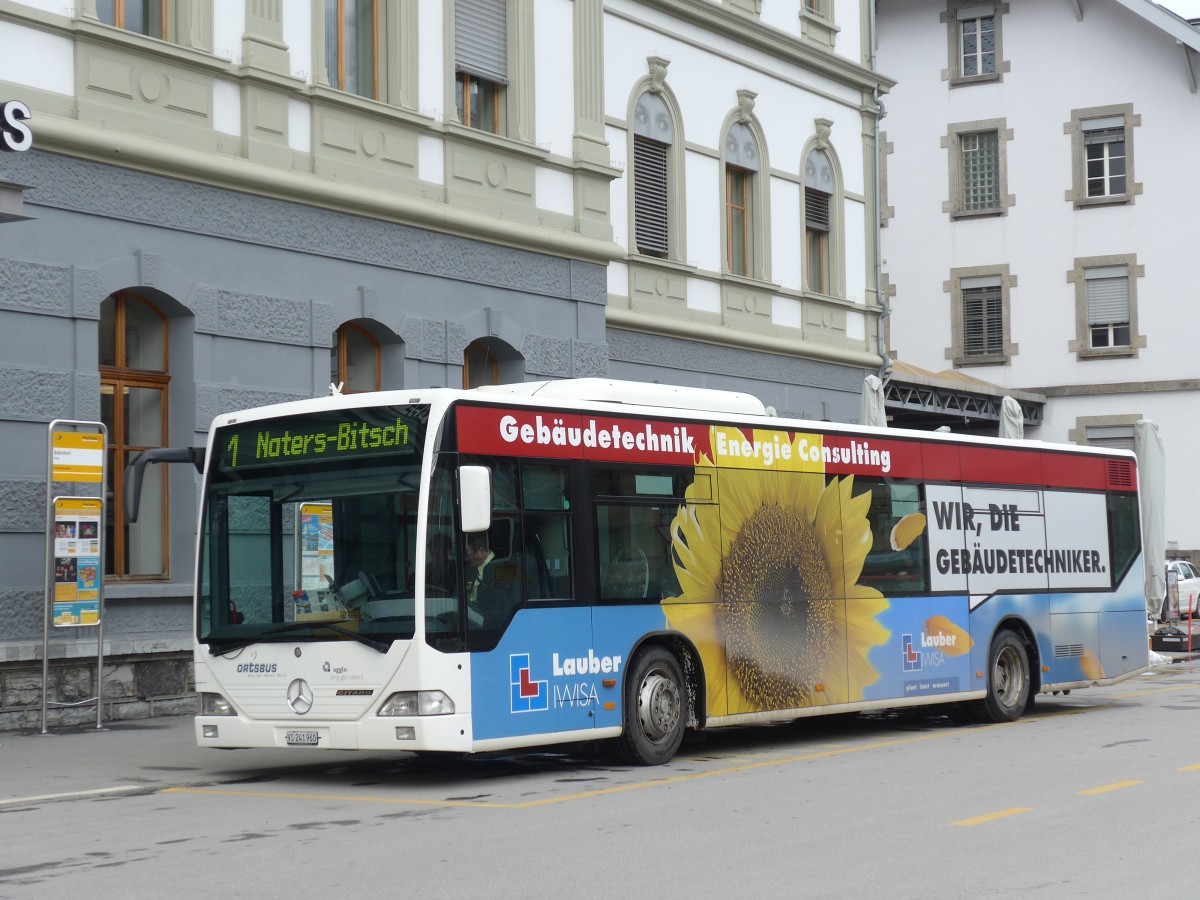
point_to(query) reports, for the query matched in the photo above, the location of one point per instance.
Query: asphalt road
(1095, 795)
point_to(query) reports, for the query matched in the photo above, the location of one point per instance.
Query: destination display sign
(337, 435)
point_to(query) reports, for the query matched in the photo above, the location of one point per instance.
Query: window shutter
(481, 39)
(983, 324)
(1118, 437)
(1108, 296)
(816, 210)
(650, 196)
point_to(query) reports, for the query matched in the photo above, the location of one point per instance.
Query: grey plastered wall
(803, 388)
(254, 288)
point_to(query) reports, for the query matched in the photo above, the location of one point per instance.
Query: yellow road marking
(1161, 690)
(1195, 768)
(1104, 789)
(992, 817)
(582, 795)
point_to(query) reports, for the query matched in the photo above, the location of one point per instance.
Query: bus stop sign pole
(74, 572)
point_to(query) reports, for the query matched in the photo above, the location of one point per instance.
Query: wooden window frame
(337, 79)
(735, 174)
(466, 108)
(342, 356)
(164, 11)
(816, 239)
(118, 378)
(490, 360)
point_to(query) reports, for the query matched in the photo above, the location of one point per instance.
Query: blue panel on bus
(549, 672)
(928, 651)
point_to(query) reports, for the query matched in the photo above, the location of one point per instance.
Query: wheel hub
(659, 707)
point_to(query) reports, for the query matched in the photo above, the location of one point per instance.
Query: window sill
(1108, 353)
(349, 100)
(641, 259)
(968, 80)
(978, 213)
(498, 141)
(1113, 200)
(808, 294)
(964, 362)
(146, 590)
(750, 281)
(818, 29)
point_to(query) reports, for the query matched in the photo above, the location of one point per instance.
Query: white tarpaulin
(1152, 463)
(872, 412)
(1012, 419)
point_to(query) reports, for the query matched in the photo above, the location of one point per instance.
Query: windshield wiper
(241, 643)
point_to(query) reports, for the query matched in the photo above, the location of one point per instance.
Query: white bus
(657, 559)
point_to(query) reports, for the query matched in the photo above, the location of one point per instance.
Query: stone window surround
(819, 27)
(1077, 194)
(517, 104)
(949, 18)
(760, 208)
(655, 82)
(1078, 434)
(953, 287)
(951, 141)
(835, 281)
(1081, 345)
(190, 23)
(397, 42)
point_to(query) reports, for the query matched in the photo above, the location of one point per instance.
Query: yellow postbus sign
(76, 456)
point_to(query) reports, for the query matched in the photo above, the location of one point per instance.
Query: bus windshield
(310, 528)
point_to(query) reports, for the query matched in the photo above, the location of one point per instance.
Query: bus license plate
(301, 738)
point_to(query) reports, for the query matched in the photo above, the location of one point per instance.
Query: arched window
(653, 135)
(480, 366)
(741, 172)
(133, 406)
(354, 359)
(819, 185)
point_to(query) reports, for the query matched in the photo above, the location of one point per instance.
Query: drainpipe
(876, 96)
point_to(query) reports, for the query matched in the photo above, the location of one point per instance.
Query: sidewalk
(132, 757)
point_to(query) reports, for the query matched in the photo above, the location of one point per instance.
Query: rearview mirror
(475, 497)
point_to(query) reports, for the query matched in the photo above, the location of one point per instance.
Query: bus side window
(896, 563)
(546, 501)
(634, 551)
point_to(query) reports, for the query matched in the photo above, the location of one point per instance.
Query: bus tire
(655, 713)
(1009, 681)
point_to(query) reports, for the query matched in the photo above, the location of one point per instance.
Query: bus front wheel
(655, 713)
(1009, 681)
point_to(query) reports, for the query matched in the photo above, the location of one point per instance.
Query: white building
(1038, 213)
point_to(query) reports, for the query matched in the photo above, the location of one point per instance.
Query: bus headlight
(215, 705)
(417, 703)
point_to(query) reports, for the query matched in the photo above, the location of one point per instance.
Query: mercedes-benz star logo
(299, 696)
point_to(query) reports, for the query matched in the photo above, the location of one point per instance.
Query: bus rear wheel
(1009, 681)
(654, 714)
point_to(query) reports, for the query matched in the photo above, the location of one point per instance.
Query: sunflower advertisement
(769, 574)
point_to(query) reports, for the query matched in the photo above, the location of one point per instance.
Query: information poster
(316, 545)
(76, 456)
(77, 524)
